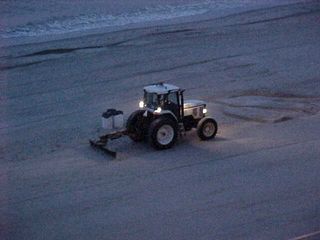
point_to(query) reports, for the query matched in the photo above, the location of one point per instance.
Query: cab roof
(161, 88)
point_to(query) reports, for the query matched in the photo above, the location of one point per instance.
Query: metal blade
(103, 148)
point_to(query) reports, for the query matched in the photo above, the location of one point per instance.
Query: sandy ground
(259, 71)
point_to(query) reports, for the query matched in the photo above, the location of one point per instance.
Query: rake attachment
(102, 142)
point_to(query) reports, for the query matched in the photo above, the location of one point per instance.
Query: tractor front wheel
(163, 133)
(207, 128)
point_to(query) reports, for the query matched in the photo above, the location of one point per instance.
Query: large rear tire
(135, 126)
(163, 133)
(207, 128)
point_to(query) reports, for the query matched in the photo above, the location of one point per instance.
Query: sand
(259, 72)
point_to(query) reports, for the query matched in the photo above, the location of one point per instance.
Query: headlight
(141, 104)
(158, 110)
(204, 111)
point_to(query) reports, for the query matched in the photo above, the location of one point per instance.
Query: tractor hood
(193, 103)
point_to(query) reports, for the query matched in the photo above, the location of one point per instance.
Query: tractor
(162, 116)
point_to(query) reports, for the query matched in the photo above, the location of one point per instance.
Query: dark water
(32, 18)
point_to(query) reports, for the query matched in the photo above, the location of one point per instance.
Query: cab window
(172, 98)
(151, 100)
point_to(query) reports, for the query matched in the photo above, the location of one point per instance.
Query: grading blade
(102, 147)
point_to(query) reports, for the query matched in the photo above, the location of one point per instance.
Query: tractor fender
(167, 113)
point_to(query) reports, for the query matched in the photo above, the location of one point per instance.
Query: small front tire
(207, 128)
(163, 133)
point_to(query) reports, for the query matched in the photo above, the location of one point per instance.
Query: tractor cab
(163, 98)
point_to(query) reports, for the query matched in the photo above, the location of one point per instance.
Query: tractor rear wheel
(163, 133)
(135, 126)
(207, 128)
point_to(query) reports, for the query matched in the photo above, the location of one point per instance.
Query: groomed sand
(259, 71)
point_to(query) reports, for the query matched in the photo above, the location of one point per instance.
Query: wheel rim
(208, 129)
(165, 134)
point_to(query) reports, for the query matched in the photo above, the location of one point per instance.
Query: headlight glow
(158, 110)
(204, 111)
(141, 104)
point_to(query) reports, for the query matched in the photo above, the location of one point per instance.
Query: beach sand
(259, 72)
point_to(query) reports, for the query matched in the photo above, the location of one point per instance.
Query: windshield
(151, 100)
